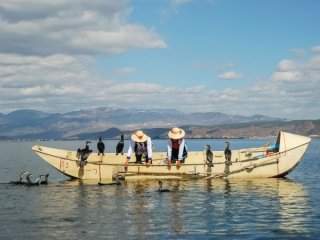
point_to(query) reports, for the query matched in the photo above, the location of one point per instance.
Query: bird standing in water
(120, 146)
(30, 183)
(45, 181)
(100, 146)
(160, 188)
(20, 181)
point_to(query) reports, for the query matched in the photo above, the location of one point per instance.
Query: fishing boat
(272, 161)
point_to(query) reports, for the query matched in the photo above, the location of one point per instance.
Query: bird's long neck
(28, 179)
(37, 181)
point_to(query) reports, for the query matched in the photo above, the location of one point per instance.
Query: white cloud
(230, 75)
(47, 48)
(286, 76)
(286, 65)
(126, 70)
(43, 83)
(316, 49)
(43, 27)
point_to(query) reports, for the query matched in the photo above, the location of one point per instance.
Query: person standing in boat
(141, 145)
(177, 148)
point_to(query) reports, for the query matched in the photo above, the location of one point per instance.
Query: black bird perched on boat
(30, 183)
(20, 181)
(120, 145)
(209, 156)
(45, 180)
(227, 154)
(100, 146)
(84, 153)
(117, 182)
(160, 188)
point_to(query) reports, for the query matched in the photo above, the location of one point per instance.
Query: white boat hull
(246, 163)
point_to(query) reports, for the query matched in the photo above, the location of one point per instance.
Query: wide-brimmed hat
(139, 136)
(176, 133)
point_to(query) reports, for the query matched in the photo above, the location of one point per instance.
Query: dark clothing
(175, 152)
(140, 150)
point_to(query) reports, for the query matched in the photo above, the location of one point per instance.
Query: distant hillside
(32, 124)
(243, 130)
(255, 130)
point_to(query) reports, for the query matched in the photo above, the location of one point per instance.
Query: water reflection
(233, 200)
(286, 199)
(192, 209)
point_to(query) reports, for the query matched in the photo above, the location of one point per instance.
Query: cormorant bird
(100, 146)
(45, 180)
(227, 154)
(83, 154)
(209, 156)
(20, 182)
(120, 146)
(117, 182)
(30, 183)
(160, 188)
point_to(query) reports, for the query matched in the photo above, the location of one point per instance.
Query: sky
(237, 57)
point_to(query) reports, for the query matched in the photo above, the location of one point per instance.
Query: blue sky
(238, 57)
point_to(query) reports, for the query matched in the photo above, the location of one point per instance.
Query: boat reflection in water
(280, 205)
(198, 207)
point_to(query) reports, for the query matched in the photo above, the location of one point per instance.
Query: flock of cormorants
(119, 147)
(41, 180)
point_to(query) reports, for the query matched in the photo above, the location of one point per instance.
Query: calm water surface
(194, 209)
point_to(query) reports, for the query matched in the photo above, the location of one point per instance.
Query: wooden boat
(261, 162)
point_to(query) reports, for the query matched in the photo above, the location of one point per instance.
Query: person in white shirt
(141, 145)
(177, 148)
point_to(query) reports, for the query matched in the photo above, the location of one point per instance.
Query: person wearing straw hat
(141, 145)
(177, 148)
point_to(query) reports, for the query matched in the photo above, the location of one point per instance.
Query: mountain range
(111, 122)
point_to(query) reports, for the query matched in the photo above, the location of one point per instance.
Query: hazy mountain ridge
(111, 122)
(244, 130)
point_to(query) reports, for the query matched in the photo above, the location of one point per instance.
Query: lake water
(194, 209)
